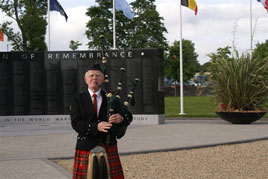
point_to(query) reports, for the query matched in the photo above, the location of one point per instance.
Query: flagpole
(181, 66)
(250, 48)
(114, 37)
(7, 44)
(48, 12)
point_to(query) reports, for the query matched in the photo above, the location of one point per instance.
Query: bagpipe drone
(114, 103)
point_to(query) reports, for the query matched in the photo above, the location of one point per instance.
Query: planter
(240, 117)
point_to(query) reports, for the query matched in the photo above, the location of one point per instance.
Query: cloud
(62, 32)
(210, 29)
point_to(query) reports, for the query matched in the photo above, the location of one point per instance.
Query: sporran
(98, 166)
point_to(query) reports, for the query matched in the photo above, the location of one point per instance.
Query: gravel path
(239, 161)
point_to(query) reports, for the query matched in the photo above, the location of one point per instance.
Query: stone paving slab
(24, 150)
(30, 169)
(25, 129)
(184, 134)
(40, 146)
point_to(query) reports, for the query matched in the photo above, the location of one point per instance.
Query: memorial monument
(38, 86)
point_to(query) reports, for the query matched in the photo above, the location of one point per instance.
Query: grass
(194, 106)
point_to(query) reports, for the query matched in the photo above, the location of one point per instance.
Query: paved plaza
(26, 150)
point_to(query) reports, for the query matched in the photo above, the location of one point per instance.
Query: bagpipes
(114, 104)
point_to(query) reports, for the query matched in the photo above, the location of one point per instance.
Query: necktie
(95, 103)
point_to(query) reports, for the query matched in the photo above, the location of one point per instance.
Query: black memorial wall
(42, 83)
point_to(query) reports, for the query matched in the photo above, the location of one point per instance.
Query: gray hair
(91, 70)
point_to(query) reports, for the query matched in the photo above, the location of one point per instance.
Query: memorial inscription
(43, 83)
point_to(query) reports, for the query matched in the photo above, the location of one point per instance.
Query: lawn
(194, 106)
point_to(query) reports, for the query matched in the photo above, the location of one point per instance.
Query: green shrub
(239, 83)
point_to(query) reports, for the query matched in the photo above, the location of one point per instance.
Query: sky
(213, 26)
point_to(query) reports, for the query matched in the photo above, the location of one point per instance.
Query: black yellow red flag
(1, 36)
(190, 4)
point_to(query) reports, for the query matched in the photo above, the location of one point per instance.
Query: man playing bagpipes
(89, 119)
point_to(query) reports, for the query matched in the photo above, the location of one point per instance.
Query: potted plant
(240, 86)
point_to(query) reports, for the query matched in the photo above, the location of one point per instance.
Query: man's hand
(115, 118)
(104, 126)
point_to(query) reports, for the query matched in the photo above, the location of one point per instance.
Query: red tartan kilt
(81, 163)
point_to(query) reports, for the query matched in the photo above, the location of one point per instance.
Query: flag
(55, 6)
(190, 4)
(124, 6)
(265, 3)
(1, 36)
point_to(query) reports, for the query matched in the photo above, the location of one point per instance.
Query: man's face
(94, 79)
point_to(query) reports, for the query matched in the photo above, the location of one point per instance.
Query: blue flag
(55, 6)
(124, 6)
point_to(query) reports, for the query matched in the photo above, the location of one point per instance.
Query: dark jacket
(85, 121)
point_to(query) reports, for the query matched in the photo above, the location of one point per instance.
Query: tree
(145, 30)
(148, 29)
(101, 24)
(224, 53)
(30, 16)
(261, 50)
(204, 68)
(74, 45)
(190, 63)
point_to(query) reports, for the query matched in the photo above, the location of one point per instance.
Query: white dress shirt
(99, 99)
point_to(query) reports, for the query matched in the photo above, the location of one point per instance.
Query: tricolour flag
(124, 6)
(190, 4)
(55, 6)
(265, 3)
(1, 36)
